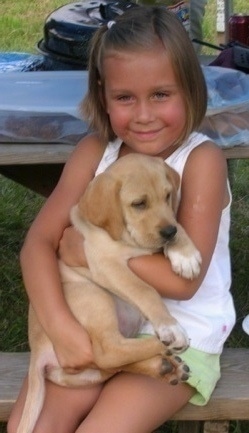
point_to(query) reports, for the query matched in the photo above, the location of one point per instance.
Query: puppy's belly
(130, 319)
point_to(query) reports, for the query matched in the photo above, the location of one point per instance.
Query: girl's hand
(71, 248)
(73, 347)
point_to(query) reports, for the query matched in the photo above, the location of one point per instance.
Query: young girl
(146, 95)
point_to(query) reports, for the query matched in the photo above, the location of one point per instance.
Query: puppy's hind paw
(175, 370)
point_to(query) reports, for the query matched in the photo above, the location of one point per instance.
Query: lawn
(21, 27)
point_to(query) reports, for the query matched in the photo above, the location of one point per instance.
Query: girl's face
(144, 103)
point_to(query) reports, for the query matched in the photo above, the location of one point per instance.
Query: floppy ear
(100, 205)
(174, 179)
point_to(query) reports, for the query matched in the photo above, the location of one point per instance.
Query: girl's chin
(149, 148)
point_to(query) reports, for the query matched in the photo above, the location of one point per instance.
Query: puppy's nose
(168, 232)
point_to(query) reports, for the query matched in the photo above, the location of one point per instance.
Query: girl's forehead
(155, 48)
(134, 57)
(155, 61)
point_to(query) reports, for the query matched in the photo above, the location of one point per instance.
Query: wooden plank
(230, 400)
(216, 427)
(14, 154)
(237, 152)
(13, 368)
(24, 154)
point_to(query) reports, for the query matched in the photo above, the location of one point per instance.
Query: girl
(146, 95)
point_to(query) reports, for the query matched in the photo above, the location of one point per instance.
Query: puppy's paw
(174, 337)
(186, 265)
(174, 370)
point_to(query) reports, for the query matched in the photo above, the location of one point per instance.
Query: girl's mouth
(147, 135)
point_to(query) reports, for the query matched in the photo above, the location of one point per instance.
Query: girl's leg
(135, 403)
(63, 409)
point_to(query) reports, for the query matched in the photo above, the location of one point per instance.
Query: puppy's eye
(168, 197)
(139, 204)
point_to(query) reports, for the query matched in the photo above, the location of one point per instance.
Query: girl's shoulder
(90, 143)
(201, 146)
(207, 153)
(88, 151)
(196, 151)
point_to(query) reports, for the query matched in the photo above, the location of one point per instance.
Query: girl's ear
(100, 205)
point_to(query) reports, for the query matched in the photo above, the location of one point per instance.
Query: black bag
(234, 55)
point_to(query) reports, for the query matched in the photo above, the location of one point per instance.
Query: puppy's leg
(169, 368)
(183, 255)
(77, 379)
(124, 283)
(172, 369)
(94, 308)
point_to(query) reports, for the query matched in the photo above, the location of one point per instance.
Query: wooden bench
(230, 400)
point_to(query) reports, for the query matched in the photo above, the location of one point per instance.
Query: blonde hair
(140, 28)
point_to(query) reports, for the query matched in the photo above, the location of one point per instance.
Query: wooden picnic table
(38, 166)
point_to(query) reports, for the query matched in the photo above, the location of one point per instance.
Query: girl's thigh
(63, 410)
(135, 403)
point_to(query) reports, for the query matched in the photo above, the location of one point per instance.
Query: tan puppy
(127, 211)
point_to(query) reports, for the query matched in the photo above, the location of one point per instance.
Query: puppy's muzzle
(168, 233)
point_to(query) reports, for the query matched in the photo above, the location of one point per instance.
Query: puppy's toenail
(178, 359)
(184, 377)
(186, 368)
(178, 349)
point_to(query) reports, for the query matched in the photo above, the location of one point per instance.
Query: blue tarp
(20, 62)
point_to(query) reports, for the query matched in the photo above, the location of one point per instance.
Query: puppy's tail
(34, 400)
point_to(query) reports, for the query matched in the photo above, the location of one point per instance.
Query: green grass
(21, 23)
(21, 27)
(18, 208)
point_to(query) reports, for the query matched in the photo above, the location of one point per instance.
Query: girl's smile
(146, 107)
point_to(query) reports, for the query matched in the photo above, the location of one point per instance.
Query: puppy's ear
(100, 205)
(174, 179)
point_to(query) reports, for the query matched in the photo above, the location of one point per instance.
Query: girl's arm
(204, 195)
(39, 258)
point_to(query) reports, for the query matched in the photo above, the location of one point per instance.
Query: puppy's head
(135, 199)
(100, 205)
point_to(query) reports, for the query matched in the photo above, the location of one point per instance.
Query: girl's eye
(161, 95)
(124, 98)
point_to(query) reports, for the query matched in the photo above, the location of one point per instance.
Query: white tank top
(209, 316)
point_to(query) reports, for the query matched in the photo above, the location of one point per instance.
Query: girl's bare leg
(134, 403)
(63, 410)
(127, 403)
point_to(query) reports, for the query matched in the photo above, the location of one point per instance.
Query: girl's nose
(144, 112)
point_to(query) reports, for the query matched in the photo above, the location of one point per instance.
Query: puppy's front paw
(186, 265)
(174, 337)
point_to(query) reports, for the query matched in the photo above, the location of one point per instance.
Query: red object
(238, 25)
